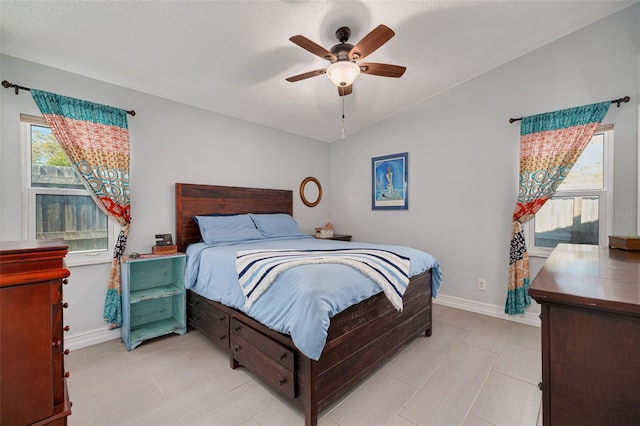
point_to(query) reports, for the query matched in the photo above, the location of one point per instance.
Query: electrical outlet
(482, 284)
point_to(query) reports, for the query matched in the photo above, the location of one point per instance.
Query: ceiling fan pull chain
(343, 135)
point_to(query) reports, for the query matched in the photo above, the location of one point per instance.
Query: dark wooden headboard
(193, 200)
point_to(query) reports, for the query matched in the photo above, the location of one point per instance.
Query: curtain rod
(7, 85)
(615, 101)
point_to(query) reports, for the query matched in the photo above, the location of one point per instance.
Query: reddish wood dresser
(33, 388)
(590, 301)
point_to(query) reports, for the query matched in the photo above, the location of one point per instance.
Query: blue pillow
(227, 229)
(277, 225)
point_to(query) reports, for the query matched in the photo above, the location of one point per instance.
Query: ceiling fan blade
(313, 47)
(371, 42)
(383, 70)
(306, 75)
(344, 91)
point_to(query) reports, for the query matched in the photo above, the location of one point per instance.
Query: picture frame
(390, 182)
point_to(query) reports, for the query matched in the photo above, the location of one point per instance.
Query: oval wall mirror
(310, 191)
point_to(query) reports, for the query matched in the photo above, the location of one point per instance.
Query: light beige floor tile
(116, 403)
(507, 401)
(415, 364)
(445, 338)
(139, 369)
(525, 335)
(488, 333)
(279, 414)
(231, 408)
(439, 312)
(374, 402)
(461, 319)
(472, 420)
(470, 364)
(400, 421)
(171, 407)
(251, 422)
(521, 363)
(229, 379)
(442, 400)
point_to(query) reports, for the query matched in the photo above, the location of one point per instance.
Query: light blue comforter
(302, 300)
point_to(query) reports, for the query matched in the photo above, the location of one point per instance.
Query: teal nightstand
(153, 297)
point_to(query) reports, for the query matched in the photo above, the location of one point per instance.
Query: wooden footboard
(360, 340)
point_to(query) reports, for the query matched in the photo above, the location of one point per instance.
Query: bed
(359, 339)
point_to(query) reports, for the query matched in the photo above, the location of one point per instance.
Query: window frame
(605, 199)
(29, 194)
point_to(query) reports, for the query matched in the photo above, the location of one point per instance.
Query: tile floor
(473, 370)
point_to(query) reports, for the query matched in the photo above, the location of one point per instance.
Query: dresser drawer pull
(66, 328)
(222, 319)
(237, 349)
(65, 281)
(223, 337)
(67, 374)
(238, 328)
(56, 344)
(282, 382)
(540, 386)
(65, 305)
(66, 352)
(283, 356)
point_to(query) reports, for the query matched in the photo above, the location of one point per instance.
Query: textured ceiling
(232, 57)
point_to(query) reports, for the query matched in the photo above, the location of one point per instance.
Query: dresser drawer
(263, 356)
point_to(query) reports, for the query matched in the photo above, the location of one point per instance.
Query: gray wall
(463, 154)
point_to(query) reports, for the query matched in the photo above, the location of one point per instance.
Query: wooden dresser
(590, 301)
(33, 387)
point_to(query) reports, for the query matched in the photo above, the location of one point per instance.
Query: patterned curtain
(96, 140)
(550, 144)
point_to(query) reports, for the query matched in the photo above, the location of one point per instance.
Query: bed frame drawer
(210, 321)
(270, 360)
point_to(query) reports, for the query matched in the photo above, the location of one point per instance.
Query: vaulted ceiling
(232, 57)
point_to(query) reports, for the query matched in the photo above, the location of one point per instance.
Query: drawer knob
(66, 328)
(237, 349)
(65, 281)
(67, 374)
(222, 319)
(66, 352)
(282, 382)
(65, 305)
(238, 328)
(283, 356)
(223, 337)
(56, 344)
(540, 385)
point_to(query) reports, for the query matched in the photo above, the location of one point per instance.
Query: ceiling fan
(344, 57)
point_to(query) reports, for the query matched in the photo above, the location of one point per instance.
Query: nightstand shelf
(153, 298)
(154, 293)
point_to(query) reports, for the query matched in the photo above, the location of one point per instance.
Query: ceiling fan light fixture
(343, 73)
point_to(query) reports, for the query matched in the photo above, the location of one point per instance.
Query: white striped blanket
(257, 269)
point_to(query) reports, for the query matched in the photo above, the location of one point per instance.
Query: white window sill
(74, 260)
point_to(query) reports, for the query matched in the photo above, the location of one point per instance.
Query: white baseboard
(89, 338)
(530, 318)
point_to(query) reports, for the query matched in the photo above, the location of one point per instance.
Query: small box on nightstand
(164, 249)
(624, 242)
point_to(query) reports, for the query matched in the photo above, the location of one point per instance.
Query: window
(56, 200)
(576, 213)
